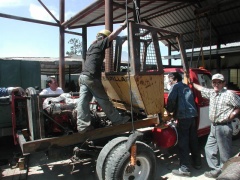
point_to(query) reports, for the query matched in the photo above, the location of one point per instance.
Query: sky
(26, 39)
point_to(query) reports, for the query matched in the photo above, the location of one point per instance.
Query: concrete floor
(58, 165)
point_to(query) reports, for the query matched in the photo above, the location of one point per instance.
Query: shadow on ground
(56, 164)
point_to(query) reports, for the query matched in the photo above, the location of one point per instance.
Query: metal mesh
(123, 60)
(144, 53)
(149, 62)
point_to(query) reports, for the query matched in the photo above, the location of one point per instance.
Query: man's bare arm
(114, 34)
(197, 86)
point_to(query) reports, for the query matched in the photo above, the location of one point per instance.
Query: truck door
(203, 78)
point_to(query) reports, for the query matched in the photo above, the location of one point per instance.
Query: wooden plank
(46, 143)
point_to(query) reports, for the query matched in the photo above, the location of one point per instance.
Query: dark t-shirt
(94, 58)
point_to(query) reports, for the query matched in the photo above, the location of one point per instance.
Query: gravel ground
(40, 167)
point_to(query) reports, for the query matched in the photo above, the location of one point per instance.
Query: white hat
(218, 76)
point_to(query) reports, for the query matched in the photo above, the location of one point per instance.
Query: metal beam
(207, 52)
(76, 138)
(27, 19)
(49, 12)
(109, 26)
(74, 33)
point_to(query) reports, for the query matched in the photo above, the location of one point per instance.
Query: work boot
(197, 165)
(123, 120)
(196, 162)
(212, 173)
(89, 128)
(182, 171)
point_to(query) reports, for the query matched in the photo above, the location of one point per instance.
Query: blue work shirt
(3, 91)
(181, 102)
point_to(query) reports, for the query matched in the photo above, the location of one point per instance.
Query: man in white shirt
(53, 87)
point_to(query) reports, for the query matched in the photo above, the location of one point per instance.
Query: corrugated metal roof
(218, 20)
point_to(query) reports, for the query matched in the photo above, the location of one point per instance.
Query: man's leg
(183, 147)
(211, 149)
(99, 93)
(194, 147)
(183, 141)
(224, 141)
(83, 110)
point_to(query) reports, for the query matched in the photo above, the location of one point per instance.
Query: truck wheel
(236, 128)
(230, 169)
(118, 163)
(101, 161)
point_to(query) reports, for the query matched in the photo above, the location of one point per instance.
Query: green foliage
(76, 47)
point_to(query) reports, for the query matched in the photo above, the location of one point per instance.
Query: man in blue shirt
(181, 103)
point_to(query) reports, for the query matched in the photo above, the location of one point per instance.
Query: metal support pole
(218, 60)
(210, 56)
(109, 26)
(61, 46)
(169, 54)
(84, 44)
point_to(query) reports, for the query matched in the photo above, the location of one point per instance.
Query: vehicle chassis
(143, 78)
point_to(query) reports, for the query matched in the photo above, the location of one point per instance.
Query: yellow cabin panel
(147, 91)
(117, 88)
(152, 92)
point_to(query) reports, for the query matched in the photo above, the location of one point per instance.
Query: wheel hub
(140, 171)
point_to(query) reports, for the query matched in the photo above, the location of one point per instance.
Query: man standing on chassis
(224, 106)
(91, 85)
(181, 103)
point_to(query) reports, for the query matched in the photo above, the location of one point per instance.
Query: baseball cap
(218, 76)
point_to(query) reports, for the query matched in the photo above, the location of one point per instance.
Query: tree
(76, 47)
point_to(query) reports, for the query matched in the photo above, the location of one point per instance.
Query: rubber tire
(119, 158)
(230, 169)
(236, 128)
(101, 160)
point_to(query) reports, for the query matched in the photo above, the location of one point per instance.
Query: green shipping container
(17, 73)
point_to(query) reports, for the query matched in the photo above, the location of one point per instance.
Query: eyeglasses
(54, 82)
(217, 83)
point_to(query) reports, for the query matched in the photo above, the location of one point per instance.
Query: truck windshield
(166, 89)
(205, 80)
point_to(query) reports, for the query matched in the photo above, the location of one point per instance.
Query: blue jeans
(219, 142)
(90, 87)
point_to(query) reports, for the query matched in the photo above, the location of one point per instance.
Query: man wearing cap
(91, 85)
(224, 105)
